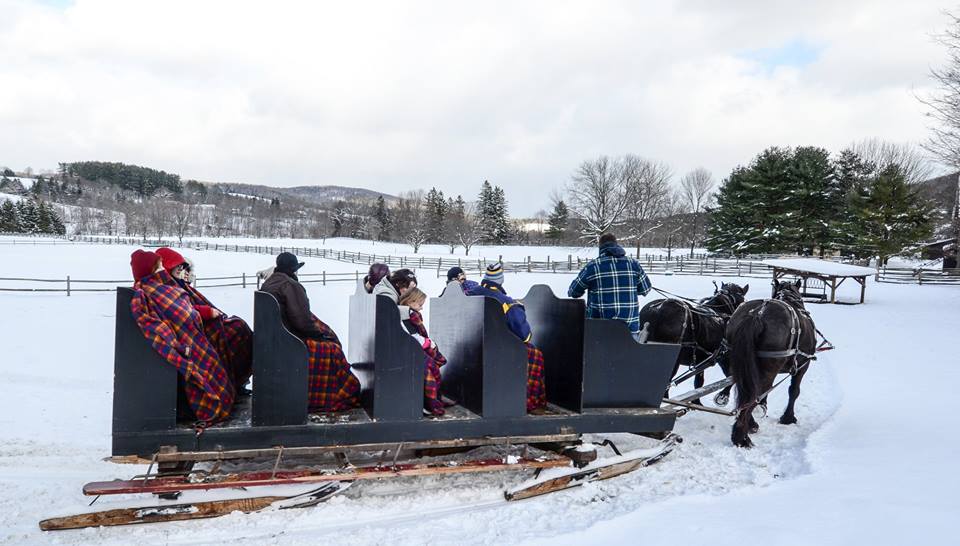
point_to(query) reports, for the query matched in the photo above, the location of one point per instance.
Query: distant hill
(316, 195)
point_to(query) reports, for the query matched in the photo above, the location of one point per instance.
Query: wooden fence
(70, 285)
(897, 275)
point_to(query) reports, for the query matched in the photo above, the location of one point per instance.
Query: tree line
(30, 216)
(864, 202)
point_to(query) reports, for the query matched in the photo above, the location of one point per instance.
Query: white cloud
(394, 96)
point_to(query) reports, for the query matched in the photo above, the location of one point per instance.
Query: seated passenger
(492, 286)
(332, 386)
(456, 274)
(174, 328)
(414, 299)
(377, 272)
(231, 335)
(395, 285)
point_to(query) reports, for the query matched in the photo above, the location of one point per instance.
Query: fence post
(569, 262)
(68, 285)
(244, 275)
(324, 277)
(528, 264)
(357, 275)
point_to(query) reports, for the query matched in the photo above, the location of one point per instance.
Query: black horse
(698, 327)
(767, 337)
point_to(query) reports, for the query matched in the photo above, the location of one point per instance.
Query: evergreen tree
(485, 210)
(851, 172)
(382, 218)
(890, 214)
(44, 220)
(9, 219)
(501, 221)
(750, 216)
(810, 197)
(557, 222)
(29, 220)
(435, 215)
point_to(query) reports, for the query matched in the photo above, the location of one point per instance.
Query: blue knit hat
(494, 273)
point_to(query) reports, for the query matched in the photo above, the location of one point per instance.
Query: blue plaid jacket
(613, 281)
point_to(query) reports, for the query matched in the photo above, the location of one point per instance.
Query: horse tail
(742, 359)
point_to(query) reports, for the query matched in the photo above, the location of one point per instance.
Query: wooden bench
(388, 361)
(595, 363)
(486, 370)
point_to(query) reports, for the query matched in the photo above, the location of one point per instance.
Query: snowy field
(872, 460)
(487, 252)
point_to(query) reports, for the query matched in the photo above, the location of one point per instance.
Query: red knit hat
(142, 263)
(171, 258)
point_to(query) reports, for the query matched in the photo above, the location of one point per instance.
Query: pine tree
(809, 196)
(382, 218)
(486, 209)
(750, 216)
(851, 172)
(29, 219)
(557, 223)
(500, 218)
(435, 214)
(891, 215)
(9, 219)
(44, 221)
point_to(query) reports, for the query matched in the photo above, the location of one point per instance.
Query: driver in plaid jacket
(613, 281)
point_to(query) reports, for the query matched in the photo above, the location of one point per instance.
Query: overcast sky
(394, 96)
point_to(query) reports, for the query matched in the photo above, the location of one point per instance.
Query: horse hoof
(791, 420)
(744, 442)
(754, 428)
(721, 399)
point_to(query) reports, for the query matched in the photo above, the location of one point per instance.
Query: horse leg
(740, 437)
(766, 381)
(788, 418)
(697, 383)
(723, 397)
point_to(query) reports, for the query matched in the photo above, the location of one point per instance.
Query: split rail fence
(654, 264)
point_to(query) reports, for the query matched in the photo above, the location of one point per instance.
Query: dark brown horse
(767, 337)
(698, 327)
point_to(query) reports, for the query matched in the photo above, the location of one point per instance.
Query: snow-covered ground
(487, 252)
(871, 461)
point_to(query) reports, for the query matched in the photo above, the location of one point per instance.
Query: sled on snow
(598, 381)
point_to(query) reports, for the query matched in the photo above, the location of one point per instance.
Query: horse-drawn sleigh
(278, 455)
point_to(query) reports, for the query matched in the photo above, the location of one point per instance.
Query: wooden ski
(191, 510)
(252, 479)
(601, 469)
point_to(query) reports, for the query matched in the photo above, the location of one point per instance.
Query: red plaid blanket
(326, 330)
(173, 327)
(432, 362)
(231, 336)
(332, 387)
(536, 387)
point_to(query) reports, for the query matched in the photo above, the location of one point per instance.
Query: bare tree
(882, 154)
(183, 218)
(648, 194)
(695, 187)
(944, 106)
(468, 229)
(673, 223)
(598, 196)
